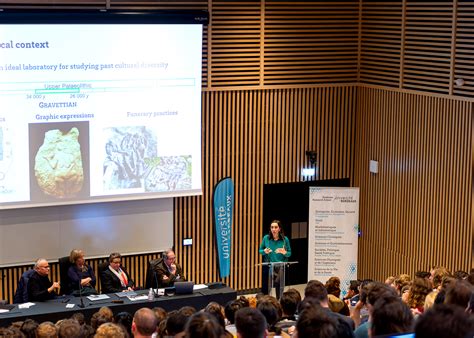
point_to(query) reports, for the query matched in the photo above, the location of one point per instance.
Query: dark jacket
(110, 283)
(160, 269)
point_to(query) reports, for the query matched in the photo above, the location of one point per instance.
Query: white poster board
(333, 234)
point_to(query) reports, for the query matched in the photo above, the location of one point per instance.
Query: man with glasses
(40, 288)
(167, 270)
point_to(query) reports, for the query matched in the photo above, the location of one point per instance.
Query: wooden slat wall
(417, 211)
(310, 42)
(381, 43)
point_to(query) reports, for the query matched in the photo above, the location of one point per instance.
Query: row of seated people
(78, 278)
(265, 316)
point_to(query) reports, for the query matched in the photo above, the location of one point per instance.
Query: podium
(276, 276)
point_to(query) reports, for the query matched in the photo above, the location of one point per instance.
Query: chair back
(103, 266)
(151, 281)
(64, 265)
(21, 293)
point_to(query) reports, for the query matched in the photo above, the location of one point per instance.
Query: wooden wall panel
(464, 52)
(427, 46)
(417, 211)
(381, 42)
(235, 48)
(309, 42)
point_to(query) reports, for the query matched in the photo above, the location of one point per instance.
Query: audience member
(176, 322)
(314, 321)
(46, 330)
(29, 327)
(69, 328)
(204, 325)
(110, 330)
(144, 323)
(250, 323)
(79, 317)
(443, 321)
(317, 291)
(390, 315)
(40, 288)
(419, 289)
(459, 293)
(271, 310)
(124, 319)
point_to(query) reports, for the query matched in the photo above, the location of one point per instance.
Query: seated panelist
(167, 270)
(114, 278)
(40, 288)
(81, 275)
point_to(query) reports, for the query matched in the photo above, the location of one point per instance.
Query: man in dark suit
(114, 278)
(167, 270)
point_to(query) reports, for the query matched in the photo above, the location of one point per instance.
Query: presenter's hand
(173, 268)
(165, 277)
(55, 286)
(281, 251)
(267, 250)
(85, 281)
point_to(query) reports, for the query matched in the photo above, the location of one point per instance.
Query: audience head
(400, 281)
(443, 321)
(231, 308)
(79, 317)
(244, 300)
(250, 323)
(176, 322)
(97, 320)
(315, 289)
(417, 293)
(204, 325)
(47, 330)
(107, 313)
(461, 275)
(217, 311)
(29, 327)
(124, 319)
(276, 230)
(459, 293)
(110, 330)
(423, 274)
(69, 328)
(314, 321)
(289, 301)
(160, 313)
(390, 315)
(271, 310)
(144, 323)
(333, 286)
(76, 257)
(42, 267)
(11, 332)
(437, 274)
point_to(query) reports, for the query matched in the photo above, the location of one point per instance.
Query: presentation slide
(95, 112)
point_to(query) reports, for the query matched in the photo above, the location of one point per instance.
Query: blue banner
(223, 210)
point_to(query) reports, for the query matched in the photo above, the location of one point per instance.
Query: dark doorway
(289, 203)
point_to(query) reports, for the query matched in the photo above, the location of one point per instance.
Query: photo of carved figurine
(58, 159)
(126, 152)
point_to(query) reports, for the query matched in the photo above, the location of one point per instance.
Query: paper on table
(135, 298)
(199, 286)
(26, 305)
(3, 310)
(69, 306)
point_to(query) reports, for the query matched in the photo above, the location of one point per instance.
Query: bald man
(40, 288)
(144, 323)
